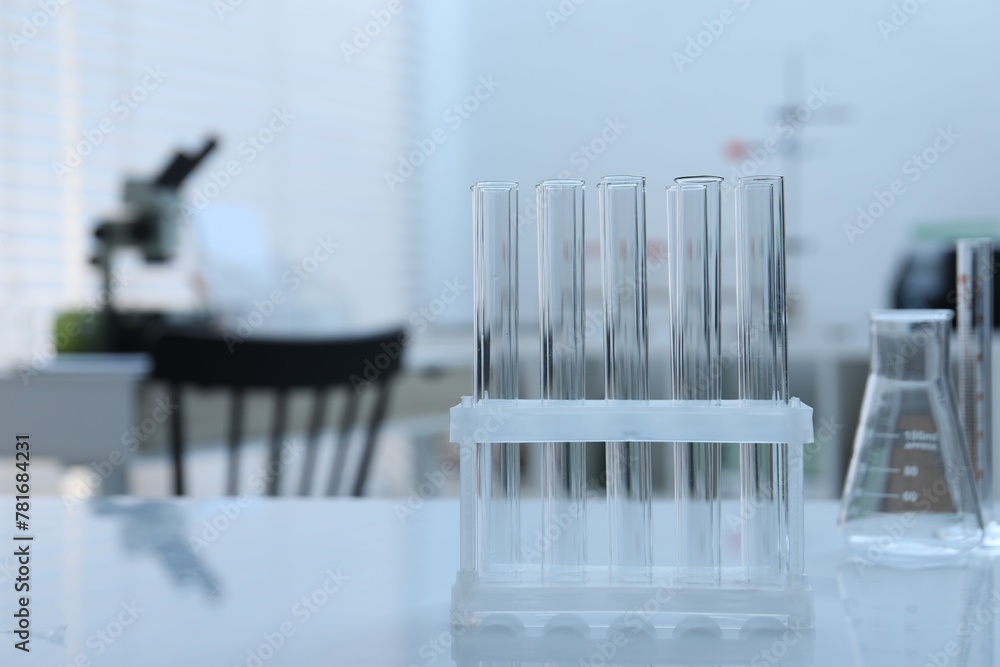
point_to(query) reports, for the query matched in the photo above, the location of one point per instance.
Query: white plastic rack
(662, 600)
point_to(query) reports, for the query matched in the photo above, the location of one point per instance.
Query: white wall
(891, 93)
(405, 248)
(226, 66)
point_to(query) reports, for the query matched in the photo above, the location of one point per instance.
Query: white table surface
(121, 581)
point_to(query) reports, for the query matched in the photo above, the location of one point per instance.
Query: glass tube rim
(494, 185)
(703, 180)
(911, 315)
(760, 179)
(621, 181)
(566, 183)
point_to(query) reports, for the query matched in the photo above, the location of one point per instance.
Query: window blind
(93, 91)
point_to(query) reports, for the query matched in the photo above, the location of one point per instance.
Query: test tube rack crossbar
(602, 420)
(664, 600)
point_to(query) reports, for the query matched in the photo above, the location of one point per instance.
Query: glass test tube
(763, 375)
(498, 488)
(561, 318)
(693, 231)
(623, 258)
(974, 308)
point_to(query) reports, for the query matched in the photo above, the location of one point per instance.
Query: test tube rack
(564, 586)
(660, 598)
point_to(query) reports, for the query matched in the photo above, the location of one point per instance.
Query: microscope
(150, 223)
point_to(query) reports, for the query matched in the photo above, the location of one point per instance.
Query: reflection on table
(258, 582)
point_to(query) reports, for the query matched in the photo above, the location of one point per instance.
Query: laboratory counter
(252, 581)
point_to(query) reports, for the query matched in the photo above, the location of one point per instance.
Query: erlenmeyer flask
(910, 488)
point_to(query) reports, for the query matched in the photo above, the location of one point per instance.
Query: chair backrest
(212, 359)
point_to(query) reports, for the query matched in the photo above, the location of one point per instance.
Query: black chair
(354, 365)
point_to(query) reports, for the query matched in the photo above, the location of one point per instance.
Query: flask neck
(911, 346)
